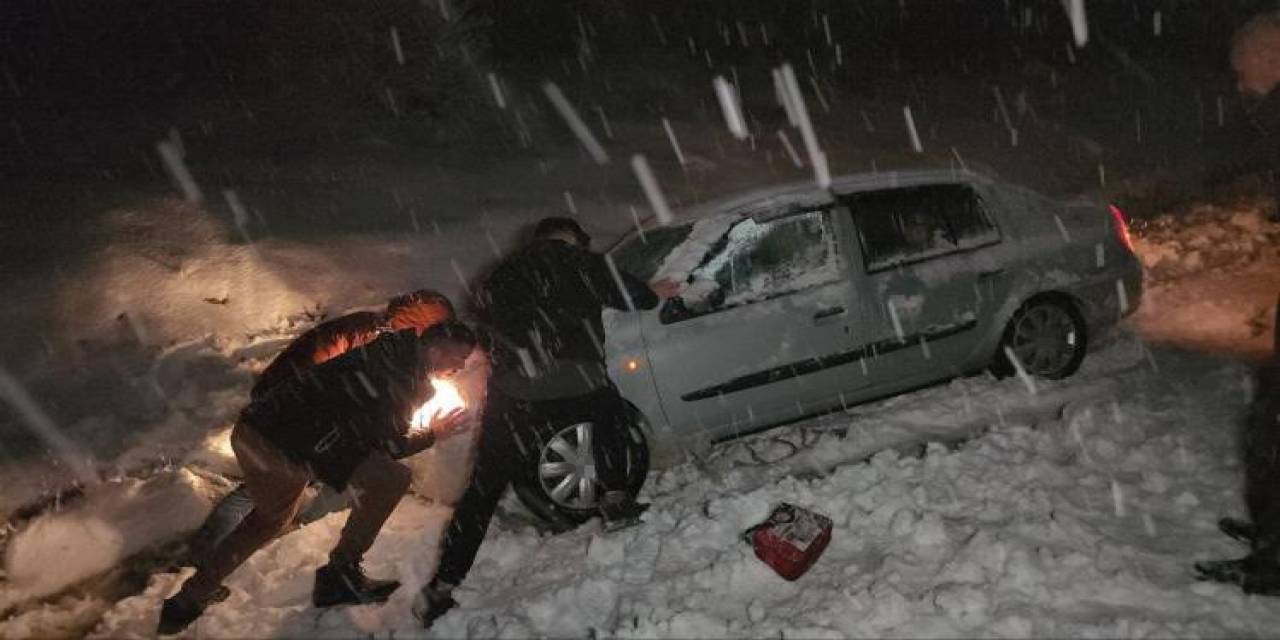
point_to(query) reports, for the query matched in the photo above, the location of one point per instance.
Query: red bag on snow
(791, 539)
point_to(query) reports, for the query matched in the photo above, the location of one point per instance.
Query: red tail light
(1122, 228)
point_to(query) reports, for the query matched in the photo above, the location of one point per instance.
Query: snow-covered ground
(1072, 512)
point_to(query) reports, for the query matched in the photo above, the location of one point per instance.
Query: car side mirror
(674, 310)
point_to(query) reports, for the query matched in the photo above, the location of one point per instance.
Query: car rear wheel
(1047, 335)
(562, 486)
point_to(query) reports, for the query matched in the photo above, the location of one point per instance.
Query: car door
(749, 342)
(931, 282)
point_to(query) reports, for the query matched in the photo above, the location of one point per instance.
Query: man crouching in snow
(419, 310)
(344, 422)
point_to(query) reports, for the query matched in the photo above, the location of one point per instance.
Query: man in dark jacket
(542, 307)
(419, 310)
(343, 422)
(1259, 571)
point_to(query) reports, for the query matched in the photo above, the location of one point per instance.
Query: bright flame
(632, 365)
(445, 400)
(220, 443)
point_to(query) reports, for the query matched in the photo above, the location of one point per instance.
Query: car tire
(1048, 336)
(551, 486)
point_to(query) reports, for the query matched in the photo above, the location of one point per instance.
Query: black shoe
(1241, 530)
(177, 614)
(435, 605)
(1251, 573)
(1227, 571)
(623, 514)
(346, 584)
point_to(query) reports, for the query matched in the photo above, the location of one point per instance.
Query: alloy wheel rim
(1045, 340)
(567, 467)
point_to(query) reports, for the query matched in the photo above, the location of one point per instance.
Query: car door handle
(827, 313)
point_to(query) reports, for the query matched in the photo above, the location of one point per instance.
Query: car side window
(757, 261)
(897, 226)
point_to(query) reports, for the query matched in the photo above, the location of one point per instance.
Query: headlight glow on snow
(445, 400)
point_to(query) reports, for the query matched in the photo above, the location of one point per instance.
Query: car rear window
(908, 224)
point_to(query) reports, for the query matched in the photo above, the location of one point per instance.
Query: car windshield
(641, 253)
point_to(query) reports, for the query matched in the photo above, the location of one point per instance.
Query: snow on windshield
(759, 260)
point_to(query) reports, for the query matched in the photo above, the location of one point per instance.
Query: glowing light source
(220, 443)
(446, 399)
(633, 364)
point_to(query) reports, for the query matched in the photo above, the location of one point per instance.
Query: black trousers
(513, 433)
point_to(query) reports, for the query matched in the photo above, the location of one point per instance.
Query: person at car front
(542, 309)
(1255, 57)
(419, 310)
(343, 422)
(1258, 572)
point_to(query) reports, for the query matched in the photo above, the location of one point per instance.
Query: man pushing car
(344, 422)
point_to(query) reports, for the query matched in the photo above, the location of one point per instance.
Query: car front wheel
(562, 483)
(1047, 336)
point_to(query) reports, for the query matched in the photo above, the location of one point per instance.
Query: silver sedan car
(798, 300)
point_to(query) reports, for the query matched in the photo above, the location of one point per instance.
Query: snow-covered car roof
(804, 194)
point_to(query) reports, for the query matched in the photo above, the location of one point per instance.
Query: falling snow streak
(1122, 297)
(1117, 499)
(784, 97)
(790, 149)
(40, 424)
(177, 168)
(617, 281)
(911, 130)
(1079, 21)
(730, 107)
(571, 118)
(817, 158)
(239, 214)
(657, 201)
(498, 97)
(1026, 378)
(675, 144)
(395, 45)
(1004, 111)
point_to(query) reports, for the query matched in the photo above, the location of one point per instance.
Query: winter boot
(1254, 574)
(178, 613)
(437, 599)
(345, 583)
(1228, 571)
(619, 511)
(1239, 529)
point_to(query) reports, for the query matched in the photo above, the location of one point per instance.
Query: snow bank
(109, 523)
(1212, 278)
(1208, 237)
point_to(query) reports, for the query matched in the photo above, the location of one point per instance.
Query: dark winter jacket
(322, 342)
(332, 416)
(1264, 113)
(1262, 450)
(546, 300)
(335, 337)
